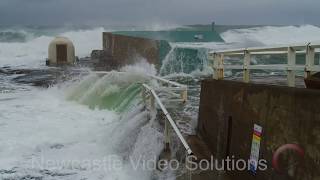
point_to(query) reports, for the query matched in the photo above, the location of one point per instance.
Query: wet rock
(3, 71)
(11, 171)
(55, 174)
(57, 146)
(41, 77)
(9, 71)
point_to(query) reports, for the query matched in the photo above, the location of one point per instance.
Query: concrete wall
(120, 50)
(229, 110)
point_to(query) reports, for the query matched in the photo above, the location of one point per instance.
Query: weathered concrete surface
(199, 148)
(102, 60)
(313, 82)
(229, 110)
(120, 50)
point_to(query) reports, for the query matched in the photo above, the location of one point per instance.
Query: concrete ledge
(199, 148)
(229, 110)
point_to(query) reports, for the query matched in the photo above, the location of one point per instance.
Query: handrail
(168, 82)
(151, 76)
(176, 86)
(169, 118)
(296, 47)
(308, 49)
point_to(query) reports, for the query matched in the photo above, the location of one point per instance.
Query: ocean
(91, 127)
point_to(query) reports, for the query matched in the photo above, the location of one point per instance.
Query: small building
(61, 51)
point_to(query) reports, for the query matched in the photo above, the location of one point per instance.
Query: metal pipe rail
(168, 82)
(308, 49)
(157, 100)
(154, 98)
(172, 86)
(149, 75)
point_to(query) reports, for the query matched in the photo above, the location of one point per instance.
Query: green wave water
(107, 92)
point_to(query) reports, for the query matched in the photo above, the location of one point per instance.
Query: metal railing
(154, 98)
(175, 89)
(151, 98)
(291, 67)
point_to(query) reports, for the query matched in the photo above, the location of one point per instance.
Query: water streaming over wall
(184, 60)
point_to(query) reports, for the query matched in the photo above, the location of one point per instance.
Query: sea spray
(32, 52)
(181, 59)
(113, 91)
(270, 35)
(76, 141)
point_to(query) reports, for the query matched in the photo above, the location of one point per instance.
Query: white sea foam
(270, 35)
(38, 126)
(140, 67)
(33, 52)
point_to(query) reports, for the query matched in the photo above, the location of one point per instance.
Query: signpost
(255, 148)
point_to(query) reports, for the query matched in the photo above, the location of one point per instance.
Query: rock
(46, 77)
(3, 71)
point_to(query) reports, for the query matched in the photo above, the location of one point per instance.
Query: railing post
(169, 120)
(211, 61)
(184, 95)
(144, 96)
(218, 66)
(291, 76)
(152, 104)
(166, 135)
(215, 65)
(246, 64)
(189, 171)
(149, 100)
(166, 132)
(310, 56)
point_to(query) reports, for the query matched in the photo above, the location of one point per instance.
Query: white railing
(291, 67)
(153, 100)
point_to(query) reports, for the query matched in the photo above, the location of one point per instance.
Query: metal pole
(246, 64)
(218, 66)
(184, 96)
(212, 63)
(167, 81)
(291, 64)
(166, 135)
(221, 66)
(169, 118)
(310, 56)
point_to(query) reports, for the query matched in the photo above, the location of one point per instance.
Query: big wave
(31, 50)
(273, 35)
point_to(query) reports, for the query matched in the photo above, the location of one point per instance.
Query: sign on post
(255, 148)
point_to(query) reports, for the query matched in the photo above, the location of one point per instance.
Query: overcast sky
(143, 12)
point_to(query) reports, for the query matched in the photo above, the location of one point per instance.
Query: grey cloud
(129, 12)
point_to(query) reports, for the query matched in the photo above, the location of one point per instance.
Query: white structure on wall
(61, 51)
